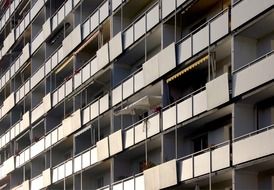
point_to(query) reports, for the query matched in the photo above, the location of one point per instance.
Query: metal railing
(267, 128)
(254, 61)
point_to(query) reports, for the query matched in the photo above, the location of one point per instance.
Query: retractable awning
(193, 65)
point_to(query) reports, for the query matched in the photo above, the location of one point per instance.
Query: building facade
(136, 94)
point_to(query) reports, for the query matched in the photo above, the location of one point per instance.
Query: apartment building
(136, 94)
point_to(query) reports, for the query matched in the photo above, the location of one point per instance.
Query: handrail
(203, 25)
(254, 61)
(254, 133)
(36, 177)
(204, 150)
(184, 98)
(140, 16)
(140, 121)
(59, 8)
(93, 101)
(84, 151)
(53, 129)
(9, 129)
(126, 179)
(104, 187)
(237, 2)
(37, 105)
(62, 163)
(128, 77)
(94, 11)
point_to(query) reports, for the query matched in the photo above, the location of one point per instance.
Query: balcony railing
(128, 87)
(37, 182)
(95, 19)
(141, 25)
(256, 145)
(135, 182)
(95, 108)
(141, 130)
(244, 10)
(210, 32)
(209, 160)
(61, 13)
(75, 164)
(253, 73)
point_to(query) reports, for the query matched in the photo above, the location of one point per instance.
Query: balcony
(61, 13)
(96, 108)
(133, 183)
(128, 87)
(41, 109)
(75, 164)
(142, 25)
(97, 17)
(215, 29)
(245, 10)
(204, 162)
(258, 140)
(24, 186)
(256, 72)
(39, 39)
(143, 129)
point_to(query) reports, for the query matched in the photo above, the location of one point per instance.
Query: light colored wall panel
(102, 149)
(246, 10)
(115, 46)
(168, 174)
(128, 138)
(115, 143)
(184, 50)
(139, 28)
(167, 7)
(128, 37)
(169, 117)
(151, 178)
(186, 169)
(167, 59)
(220, 158)
(259, 142)
(46, 177)
(103, 56)
(184, 110)
(217, 91)
(72, 40)
(256, 74)
(202, 164)
(153, 125)
(46, 29)
(219, 27)
(140, 132)
(86, 159)
(104, 103)
(151, 70)
(201, 39)
(153, 17)
(128, 88)
(140, 183)
(199, 103)
(138, 81)
(117, 95)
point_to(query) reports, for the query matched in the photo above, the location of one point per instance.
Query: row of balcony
(17, 31)
(15, 130)
(67, 127)
(8, 13)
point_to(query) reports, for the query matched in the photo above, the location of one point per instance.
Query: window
(200, 143)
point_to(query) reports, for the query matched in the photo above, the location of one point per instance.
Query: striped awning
(193, 65)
